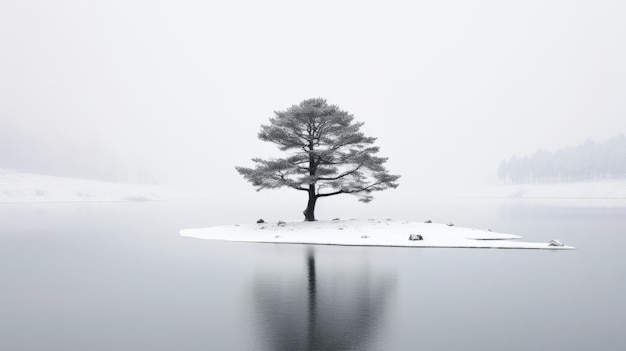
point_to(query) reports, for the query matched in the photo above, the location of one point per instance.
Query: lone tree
(326, 155)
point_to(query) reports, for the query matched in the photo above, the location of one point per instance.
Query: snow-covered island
(370, 232)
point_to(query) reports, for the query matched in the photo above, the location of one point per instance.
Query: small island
(368, 232)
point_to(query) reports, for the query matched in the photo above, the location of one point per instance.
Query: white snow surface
(593, 189)
(17, 187)
(366, 233)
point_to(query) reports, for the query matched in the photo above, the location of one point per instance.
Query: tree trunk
(309, 212)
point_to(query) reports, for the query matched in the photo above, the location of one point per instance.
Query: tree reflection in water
(338, 307)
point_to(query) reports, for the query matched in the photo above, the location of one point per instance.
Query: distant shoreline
(18, 187)
(584, 190)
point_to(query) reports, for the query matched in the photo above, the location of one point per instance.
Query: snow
(366, 233)
(17, 187)
(597, 189)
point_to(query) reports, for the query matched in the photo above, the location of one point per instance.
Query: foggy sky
(174, 92)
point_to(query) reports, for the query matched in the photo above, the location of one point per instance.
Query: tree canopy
(326, 154)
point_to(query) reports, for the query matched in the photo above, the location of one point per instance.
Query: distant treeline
(584, 162)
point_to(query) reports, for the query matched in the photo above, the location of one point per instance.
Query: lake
(116, 276)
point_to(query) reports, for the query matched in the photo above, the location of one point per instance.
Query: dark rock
(260, 221)
(428, 221)
(555, 243)
(414, 237)
(364, 236)
(336, 219)
(450, 224)
(281, 223)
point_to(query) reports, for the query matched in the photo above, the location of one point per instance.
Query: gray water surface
(116, 276)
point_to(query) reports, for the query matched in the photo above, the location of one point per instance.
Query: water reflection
(331, 302)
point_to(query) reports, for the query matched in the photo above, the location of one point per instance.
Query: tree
(326, 155)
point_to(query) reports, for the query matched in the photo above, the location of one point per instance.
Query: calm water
(118, 277)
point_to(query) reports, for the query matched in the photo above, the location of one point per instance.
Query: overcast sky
(175, 91)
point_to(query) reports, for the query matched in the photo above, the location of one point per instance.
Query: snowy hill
(28, 187)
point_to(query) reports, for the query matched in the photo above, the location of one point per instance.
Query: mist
(174, 93)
